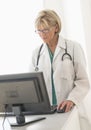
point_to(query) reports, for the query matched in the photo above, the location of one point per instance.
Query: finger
(59, 106)
(69, 106)
(62, 105)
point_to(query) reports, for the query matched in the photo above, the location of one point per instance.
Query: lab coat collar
(61, 44)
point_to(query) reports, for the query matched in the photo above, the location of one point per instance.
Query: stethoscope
(65, 54)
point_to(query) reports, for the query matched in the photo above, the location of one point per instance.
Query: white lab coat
(70, 77)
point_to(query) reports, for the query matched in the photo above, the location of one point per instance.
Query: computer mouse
(61, 110)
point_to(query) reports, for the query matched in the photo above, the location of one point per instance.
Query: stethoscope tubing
(65, 54)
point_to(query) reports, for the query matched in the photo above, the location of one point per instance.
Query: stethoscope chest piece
(36, 68)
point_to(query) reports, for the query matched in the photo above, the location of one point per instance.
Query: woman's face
(47, 34)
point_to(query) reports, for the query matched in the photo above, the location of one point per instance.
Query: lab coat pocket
(67, 69)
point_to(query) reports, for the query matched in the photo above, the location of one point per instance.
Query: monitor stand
(20, 118)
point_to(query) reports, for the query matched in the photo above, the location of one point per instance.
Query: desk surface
(54, 121)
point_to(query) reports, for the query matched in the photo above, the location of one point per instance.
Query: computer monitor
(24, 93)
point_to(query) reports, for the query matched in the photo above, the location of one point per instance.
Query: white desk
(66, 121)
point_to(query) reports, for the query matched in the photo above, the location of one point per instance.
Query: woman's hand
(69, 105)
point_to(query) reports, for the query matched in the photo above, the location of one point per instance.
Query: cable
(4, 117)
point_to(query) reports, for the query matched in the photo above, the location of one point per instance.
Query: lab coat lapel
(46, 59)
(60, 46)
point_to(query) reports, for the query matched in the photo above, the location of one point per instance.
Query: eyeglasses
(42, 31)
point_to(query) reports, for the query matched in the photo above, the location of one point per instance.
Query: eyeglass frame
(45, 31)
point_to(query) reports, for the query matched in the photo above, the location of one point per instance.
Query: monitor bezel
(30, 108)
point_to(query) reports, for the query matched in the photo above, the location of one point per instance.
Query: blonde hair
(48, 18)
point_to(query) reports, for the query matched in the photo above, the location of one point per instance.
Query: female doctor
(61, 61)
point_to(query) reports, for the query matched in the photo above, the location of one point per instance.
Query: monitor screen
(27, 90)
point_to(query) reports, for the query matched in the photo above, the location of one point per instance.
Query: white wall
(17, 36)
(86, 13)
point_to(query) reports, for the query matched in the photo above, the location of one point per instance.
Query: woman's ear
(56, 28)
